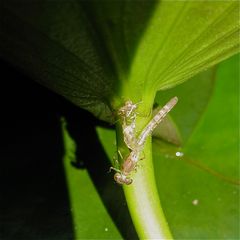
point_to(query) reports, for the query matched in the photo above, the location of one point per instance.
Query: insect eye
(118, 178)
(128, 181)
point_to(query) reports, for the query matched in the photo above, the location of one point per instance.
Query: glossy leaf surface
(200, 190)
(91, 220)
(97, 52)
(192, 103)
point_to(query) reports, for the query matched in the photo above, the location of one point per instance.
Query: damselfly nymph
(136, 145)
(128, 115)
(128, 166)
(127, 110)
(147, 131)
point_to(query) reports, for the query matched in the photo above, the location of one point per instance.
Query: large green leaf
(192, 103)
(96, 52)
(183, 38)
(91, 220)
(201, 198)
(54, 42)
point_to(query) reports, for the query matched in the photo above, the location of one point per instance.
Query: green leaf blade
(192, 101)
(192, 37)
(60, 51)
(90, 216)
(200, 192)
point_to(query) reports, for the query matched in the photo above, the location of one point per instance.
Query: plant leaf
(182, 39)
(90, 217)
(97, 52)
(191, 105)
(201, 198)
(55, 44)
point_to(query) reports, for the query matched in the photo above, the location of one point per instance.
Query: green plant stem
(142, 197)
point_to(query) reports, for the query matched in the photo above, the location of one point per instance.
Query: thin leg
(115, 169)
(120, 154)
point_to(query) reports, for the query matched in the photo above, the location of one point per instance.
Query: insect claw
(110, 169)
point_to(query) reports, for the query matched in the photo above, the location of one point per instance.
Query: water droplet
(106, 229)
(179, 154)
(195, 202)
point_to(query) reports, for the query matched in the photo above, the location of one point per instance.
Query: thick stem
(143, 200)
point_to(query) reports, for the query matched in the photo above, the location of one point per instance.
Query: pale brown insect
(128, 115)
(147, 131)
(122, 176)
(136, 145)
(128, 108)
